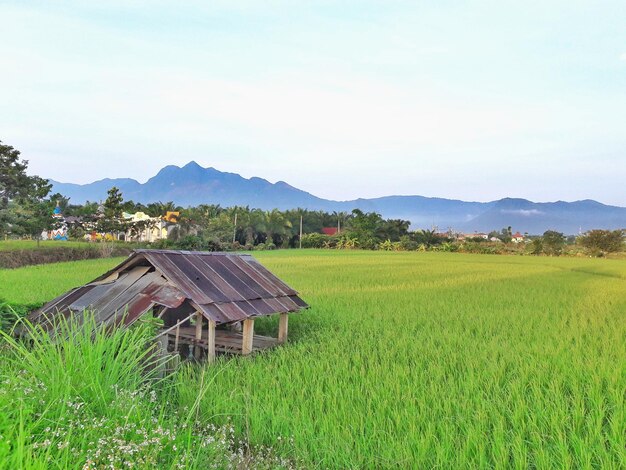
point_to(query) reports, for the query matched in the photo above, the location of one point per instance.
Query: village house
(143, 228)
(517, 237)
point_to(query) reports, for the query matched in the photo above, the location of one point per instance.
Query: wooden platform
(226, 341)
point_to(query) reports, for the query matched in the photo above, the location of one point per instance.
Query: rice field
(6, 245)
(414, 360)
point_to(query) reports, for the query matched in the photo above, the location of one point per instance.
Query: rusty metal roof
(225, 287)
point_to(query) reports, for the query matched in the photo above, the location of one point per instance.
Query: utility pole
(235, 229)
(338, 224)
(300, 230)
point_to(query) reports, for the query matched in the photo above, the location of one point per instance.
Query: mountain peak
(192, 165)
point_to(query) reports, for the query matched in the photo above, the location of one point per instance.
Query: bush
(482, 248)
(388, 245)
(536, 246)
(197, 243)
(162, 244)
(10, 259)
(601, 242)
(407, 244)
(553, 242)
(319, 240)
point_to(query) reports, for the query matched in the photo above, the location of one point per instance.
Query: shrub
(162, 244)
(318, 240)
(536, 246)
(553, 242)
(407, 244)
(600, 242)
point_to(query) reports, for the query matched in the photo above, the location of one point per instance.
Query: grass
(40, 283)
(409, 360)
(10, 245)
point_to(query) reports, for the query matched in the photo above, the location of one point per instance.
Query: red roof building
(329, 231)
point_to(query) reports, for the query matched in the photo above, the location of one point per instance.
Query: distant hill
(193, 185)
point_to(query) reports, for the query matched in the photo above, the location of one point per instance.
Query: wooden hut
(197, 294)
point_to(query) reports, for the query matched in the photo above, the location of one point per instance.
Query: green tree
(366, 228)
(536, 246)
(506, 235)
(21, 195)
(220, 228)
(600, 242)
(112, 220)
(553, 242)
(277, 227)
(428, 238)
(158, 209)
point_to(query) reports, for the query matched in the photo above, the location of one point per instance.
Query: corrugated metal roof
(225, 287)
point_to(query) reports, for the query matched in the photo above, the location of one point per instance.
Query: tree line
(26, 207)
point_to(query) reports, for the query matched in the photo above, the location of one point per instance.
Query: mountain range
(193, 185)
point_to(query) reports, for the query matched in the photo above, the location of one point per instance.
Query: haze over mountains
(194, 185)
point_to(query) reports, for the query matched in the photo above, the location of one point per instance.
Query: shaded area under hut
(200, 296)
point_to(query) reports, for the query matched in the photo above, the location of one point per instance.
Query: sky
(475, 100)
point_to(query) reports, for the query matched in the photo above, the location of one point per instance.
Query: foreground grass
(416, 360)
(94, 400)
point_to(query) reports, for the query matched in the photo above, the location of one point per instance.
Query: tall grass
(441, 361)
(410, 360)
(94, 400)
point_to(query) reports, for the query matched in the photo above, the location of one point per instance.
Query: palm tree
(277, 226)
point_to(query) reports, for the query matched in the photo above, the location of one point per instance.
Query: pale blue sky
(471, 100)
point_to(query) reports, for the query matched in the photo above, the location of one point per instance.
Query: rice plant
(410, 360)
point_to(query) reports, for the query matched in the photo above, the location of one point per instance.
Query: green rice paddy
(418, 360)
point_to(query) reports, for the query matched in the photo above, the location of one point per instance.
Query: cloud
(524, 212)
(623, 56)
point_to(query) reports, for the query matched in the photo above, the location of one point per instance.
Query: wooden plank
(198, 334)
(283, 327)
(177, 336)
(248, 333)
(211, 341)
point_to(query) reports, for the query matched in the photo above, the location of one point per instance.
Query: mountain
(193, 185)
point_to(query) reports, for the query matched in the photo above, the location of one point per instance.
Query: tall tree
(277, 226)
(20, 195)
(553, 242)
(112, 220)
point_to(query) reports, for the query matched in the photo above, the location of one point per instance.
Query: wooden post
(162, 352)
(197, 348)
(211, 341)
(248, 333)
(283, 327)
(177, 336)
